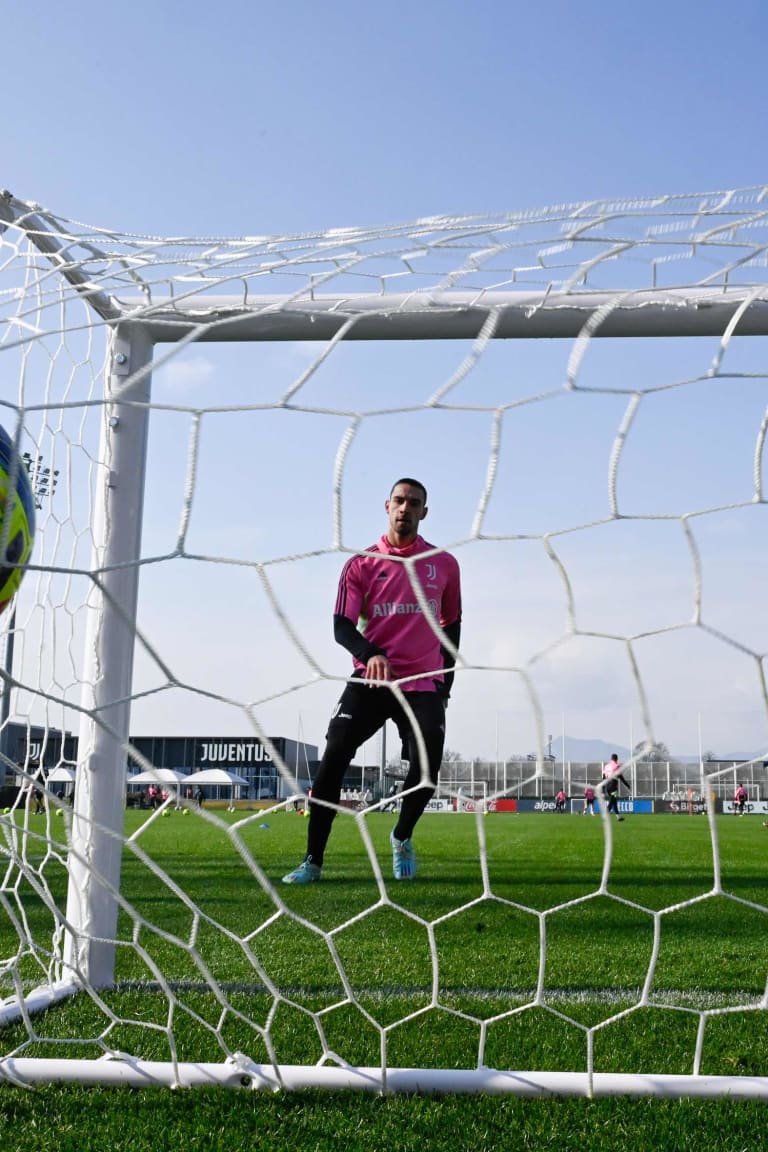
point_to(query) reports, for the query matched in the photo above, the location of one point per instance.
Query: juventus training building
(244, 755)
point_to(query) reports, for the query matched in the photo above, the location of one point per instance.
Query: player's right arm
(377, 666)
(350, 605)
(348, 636)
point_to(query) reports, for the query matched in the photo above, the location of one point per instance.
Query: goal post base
(241, 1073)
(37, 1000)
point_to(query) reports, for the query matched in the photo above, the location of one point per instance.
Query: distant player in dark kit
(390, 631)
(612, 775)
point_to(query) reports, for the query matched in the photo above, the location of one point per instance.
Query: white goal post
(87, 316)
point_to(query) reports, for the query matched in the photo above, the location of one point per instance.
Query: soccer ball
(17, 518)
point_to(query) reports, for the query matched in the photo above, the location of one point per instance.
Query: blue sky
(245, 119)
(258, 117)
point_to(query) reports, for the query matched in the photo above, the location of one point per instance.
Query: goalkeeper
(612, 775)
(379, 620)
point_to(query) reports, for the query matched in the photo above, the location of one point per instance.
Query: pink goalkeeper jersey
(376, 593)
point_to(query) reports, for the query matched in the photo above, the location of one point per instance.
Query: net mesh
(604, 494)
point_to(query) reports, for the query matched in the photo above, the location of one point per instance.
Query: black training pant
(361, 712)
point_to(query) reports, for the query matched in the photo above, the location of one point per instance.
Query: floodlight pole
(5, 708)
(382, 759)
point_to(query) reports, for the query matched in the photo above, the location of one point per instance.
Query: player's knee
(339, 748)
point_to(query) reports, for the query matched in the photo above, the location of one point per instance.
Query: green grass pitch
(443, 971)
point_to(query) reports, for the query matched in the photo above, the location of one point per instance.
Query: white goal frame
(138, 327)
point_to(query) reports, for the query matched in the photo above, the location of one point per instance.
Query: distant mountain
(587, 751)
(591, 751)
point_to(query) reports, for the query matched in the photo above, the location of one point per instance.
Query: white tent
(218, 778)
(159, 776)
(60, 775)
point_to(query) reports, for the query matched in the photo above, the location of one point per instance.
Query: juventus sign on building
(232, 752)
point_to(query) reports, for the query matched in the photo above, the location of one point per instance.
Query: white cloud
(187, 374)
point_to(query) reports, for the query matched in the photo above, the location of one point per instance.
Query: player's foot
(403, 858)
(619, 817)
(306, 873)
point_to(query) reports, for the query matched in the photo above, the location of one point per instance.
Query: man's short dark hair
(413, 483)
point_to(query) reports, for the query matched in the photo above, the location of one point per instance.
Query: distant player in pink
(612, 775)
(560, 800)
(395, 605)
(740, 798)
(589, 800)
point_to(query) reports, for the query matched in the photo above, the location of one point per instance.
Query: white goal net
(211, 427)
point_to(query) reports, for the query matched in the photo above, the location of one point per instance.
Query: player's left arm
(450, 622)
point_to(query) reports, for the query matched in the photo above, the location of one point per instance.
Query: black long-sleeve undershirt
(345, 633)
